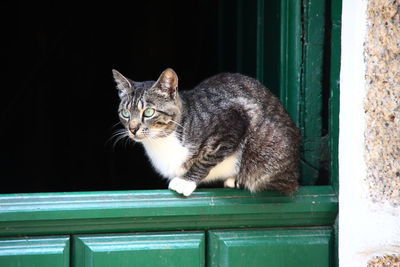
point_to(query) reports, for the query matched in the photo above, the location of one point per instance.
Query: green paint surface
(100, 212)
(335, 20)
(149, 249)
(270, 247)
(34, 252)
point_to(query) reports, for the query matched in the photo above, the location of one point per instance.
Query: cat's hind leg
(230, 182)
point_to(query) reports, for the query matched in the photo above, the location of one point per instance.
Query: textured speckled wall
(387, 260)
(382, 109)
(382, 103)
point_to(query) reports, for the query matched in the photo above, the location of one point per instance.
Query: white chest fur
(167, 155)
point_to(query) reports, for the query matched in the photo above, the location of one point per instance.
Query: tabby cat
(229, 128)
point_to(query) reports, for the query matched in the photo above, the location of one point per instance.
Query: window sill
(154, 210)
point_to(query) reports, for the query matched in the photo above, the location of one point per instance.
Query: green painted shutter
(34, 252)
(163, 210)
(270, 247)
(146, 249)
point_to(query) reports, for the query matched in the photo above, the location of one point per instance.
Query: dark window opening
(59, 103)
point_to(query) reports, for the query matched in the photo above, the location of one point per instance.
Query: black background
(58, 100)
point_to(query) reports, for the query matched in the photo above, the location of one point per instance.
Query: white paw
(182, 186)
(230, 182)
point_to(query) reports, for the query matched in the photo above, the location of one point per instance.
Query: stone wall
(382, 109)
(382, 103)
(386, 260)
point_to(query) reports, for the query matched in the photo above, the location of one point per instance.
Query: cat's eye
(148, 112)
(125, 113)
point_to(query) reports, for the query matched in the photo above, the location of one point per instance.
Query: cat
(228, 128)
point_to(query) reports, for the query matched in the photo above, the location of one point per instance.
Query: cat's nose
(134, 129)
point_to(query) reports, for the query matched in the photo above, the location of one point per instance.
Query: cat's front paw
(182, 186)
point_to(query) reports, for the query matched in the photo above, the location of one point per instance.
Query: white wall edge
(352, 168)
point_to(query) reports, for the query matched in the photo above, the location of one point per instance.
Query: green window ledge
(156, 210)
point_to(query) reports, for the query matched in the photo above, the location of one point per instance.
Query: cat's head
(150, 109)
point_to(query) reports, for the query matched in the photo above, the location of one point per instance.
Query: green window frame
(293, 47)
(306, 43)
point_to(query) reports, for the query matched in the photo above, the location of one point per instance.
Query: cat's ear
(124, 86)
(168, 82)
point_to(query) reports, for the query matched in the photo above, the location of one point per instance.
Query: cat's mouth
(142, 137)
(137, 138)
(143, 134)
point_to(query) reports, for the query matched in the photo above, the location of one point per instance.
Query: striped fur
(229, 127)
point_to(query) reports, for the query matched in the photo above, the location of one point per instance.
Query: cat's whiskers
(119, 138)
(178, 124)
(119, 131)
(116, 134)
(154, 134)
(152, 139)
(115, 125)
(178, 135)
(129, 140)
